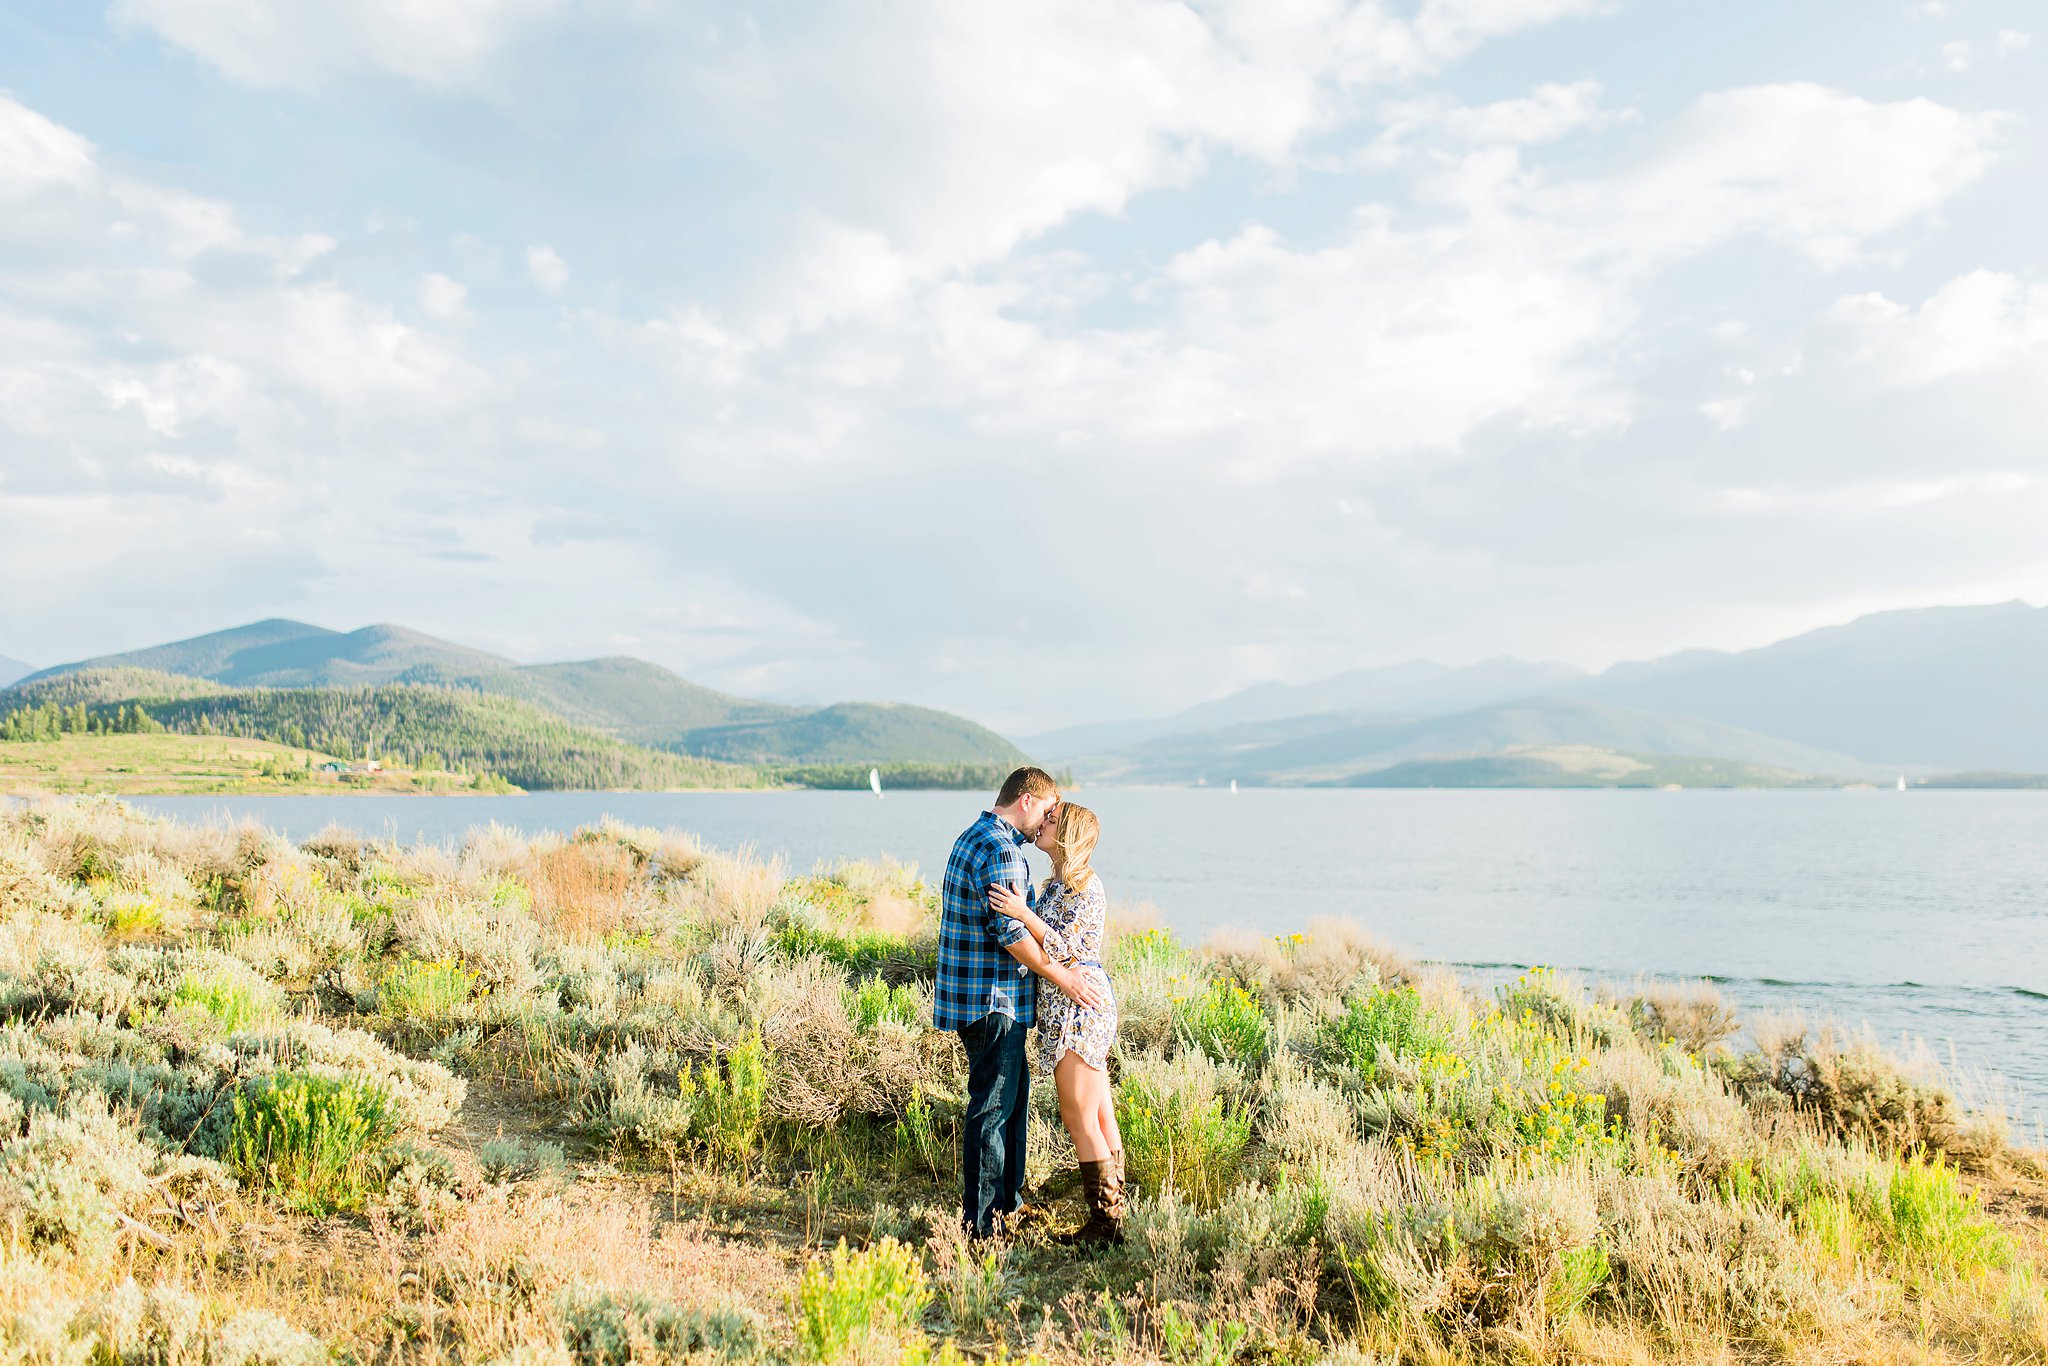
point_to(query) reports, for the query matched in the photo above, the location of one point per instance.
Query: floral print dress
(1073, 925)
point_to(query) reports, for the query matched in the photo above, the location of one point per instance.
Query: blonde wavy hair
(1073, 842)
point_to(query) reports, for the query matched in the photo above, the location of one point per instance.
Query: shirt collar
(1016, 836)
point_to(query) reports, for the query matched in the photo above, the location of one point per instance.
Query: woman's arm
(1005, 901)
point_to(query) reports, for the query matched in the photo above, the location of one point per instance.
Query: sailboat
(875, 780)
(1902, 782)
(1233, 787)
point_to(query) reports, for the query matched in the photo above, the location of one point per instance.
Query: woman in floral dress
(1073, 1041)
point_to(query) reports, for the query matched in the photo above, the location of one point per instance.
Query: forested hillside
(413, 725)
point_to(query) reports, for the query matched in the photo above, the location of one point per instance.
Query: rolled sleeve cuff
(1006, 930)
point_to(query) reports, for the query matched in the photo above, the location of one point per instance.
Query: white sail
(1902, 782)
(875, 780)
(1233, 784)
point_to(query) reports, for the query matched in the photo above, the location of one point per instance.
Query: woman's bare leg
(1082, 1089)
(1105, 1118)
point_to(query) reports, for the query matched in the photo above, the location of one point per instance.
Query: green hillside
(414, 725)
(631, 698)
(623, 698)
(96, 685)
(1581, 766)
(855, 733)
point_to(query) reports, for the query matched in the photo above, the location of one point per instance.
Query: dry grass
(740, 1071)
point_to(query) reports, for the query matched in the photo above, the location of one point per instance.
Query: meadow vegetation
(618, 1098)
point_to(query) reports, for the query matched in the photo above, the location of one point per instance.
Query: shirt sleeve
(1005, 865)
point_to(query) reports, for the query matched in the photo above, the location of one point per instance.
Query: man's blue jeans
(998, 1109)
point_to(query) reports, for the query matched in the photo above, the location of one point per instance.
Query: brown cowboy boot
(1105, 1191)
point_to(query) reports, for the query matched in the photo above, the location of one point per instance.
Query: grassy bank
(622, 1098)
(166, 763)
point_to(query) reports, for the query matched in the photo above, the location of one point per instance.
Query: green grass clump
(1154, 948)
(1177, 1139)
(874, 1001)
(312, 1140)
(863, 1305)
(426, 992)
(724, 1109)
(861, 952)
(1226, 1021)
(229, 1006)
(1392, 1020)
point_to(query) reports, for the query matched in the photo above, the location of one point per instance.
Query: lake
(1924, 914)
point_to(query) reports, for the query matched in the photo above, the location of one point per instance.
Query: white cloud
(2012, 41)
(36, 153)
(442, 298)
(1956, 55)
(1981, 323)
(546, 268)
(1819, 169)
(1450, 28)
(1392, 339)
(449, 44)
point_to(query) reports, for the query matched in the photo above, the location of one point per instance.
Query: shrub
(874, 1001)
(161, 1325)
(230, 1005)
(716, 1111)
(728, 1105)
(860, 952)
(428, 993)
(1152, 947)
(1553, 1003)
(67, 1183)
(1226, 1022)
(314, 1140)
(510, 1159)
(1855, 1091)
(601, 1328)
(863, 1306)
(1567, 1122)
(1180, 1135)
(257, 1337)
(127, 914)
(1692, 1015)
(1381, 1027)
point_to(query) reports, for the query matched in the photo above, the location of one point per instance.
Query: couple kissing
(998, 935)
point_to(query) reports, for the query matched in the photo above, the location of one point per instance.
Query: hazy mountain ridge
(1417, 687)
(1338, 748)
(627, 699)
(1581, 766)
(13, 671)
(1955, 688)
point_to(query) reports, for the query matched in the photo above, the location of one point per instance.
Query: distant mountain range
(1339, 748)
(1957, 691)
(1950, 687)
(1415, 688)
(13, 669)
(1918, 691)
(618, 699)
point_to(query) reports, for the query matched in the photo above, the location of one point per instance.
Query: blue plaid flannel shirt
(977, 976)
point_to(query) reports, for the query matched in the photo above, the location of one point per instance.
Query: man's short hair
(1028, 782)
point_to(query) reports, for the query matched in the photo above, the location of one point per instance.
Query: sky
(1042, 362)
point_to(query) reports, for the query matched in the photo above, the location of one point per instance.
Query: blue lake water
(1923, 914)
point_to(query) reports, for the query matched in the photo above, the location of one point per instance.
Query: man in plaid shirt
(988, 993)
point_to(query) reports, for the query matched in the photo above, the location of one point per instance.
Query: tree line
(404, 725)
(49, 720)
